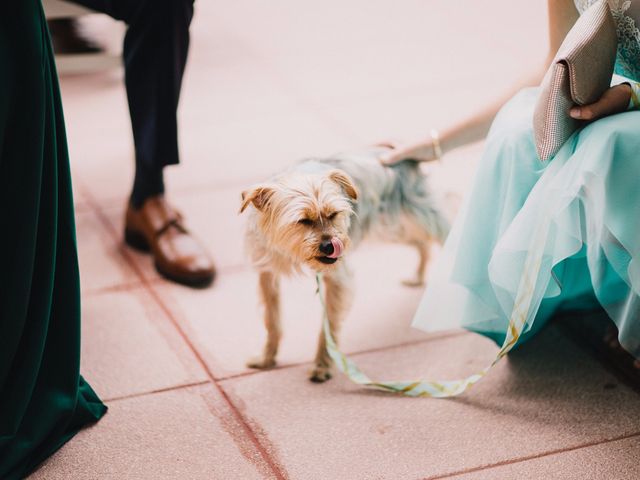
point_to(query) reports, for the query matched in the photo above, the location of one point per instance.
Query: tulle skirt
(586, 203)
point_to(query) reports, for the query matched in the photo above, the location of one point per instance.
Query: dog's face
(305, 217)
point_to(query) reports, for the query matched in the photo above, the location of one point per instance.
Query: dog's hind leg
(338, 300)
(411, 230)
(270, 297)
(422, 245)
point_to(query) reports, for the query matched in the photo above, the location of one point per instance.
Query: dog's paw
(320, 374)
(413, 283)
(261, 363)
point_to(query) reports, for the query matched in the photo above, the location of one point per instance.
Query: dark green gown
(43, 399)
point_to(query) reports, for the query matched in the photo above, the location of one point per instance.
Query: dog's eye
(306, 221)
(332, 216)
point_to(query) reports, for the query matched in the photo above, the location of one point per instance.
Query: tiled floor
(267, 83)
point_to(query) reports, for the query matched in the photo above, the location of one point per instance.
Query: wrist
(435, 144)
(429, 149)
(633, 89)
(634, 101)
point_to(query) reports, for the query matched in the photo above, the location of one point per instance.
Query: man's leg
(155, 53)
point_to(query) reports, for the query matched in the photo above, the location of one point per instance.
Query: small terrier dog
(315, 212)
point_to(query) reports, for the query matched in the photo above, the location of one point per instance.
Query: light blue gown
(588, 196)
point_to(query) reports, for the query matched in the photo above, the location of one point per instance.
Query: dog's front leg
(338, 299)
(270, 297)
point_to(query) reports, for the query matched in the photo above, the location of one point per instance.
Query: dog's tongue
(338, 248)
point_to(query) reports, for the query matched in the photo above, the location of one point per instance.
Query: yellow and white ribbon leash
(449, 388)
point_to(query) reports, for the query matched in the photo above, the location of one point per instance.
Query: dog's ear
(258, 195)
(345, 183)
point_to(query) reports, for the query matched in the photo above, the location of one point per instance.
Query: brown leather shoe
(159, 229)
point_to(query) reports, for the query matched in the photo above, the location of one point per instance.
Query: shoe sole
(138, 242)
(193, 282)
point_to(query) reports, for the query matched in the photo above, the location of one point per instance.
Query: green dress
(43, 399)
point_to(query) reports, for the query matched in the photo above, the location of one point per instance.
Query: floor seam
(351, 354)
(532, 457)
(119, 287)
(153, 392)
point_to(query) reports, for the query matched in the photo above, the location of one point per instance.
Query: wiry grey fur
(387, 195)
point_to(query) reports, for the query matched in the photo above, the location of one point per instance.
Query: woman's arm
(562, 14)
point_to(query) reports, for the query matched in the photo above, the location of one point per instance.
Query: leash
(447, 388)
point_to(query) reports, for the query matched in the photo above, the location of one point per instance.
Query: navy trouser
(155, 53)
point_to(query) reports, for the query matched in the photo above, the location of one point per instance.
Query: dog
(311, 215)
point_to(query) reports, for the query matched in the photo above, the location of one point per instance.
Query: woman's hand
(423, 152)
(614, 100)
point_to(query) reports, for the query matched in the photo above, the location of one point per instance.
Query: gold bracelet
(437, 149)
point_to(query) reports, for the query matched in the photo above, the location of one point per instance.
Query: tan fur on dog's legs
(270, 296)
(339, 297)
(423, 246)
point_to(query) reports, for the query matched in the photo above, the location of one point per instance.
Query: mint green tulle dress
(587, 199)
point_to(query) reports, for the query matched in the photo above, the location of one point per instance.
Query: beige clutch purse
(579, 74)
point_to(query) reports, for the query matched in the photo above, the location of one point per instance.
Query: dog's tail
(418, 201)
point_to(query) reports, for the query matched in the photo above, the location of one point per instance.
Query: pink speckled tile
(226, 81)
(102, 264)
(253, 99)
(189, 433)
(213, 153)
(225, 325)
(251, 148)
(99, 134)
(547, 396)
(408, 116)
(364, 48)
(129, 346)
(616, 460)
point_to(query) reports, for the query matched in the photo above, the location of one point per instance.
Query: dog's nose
(326, 247)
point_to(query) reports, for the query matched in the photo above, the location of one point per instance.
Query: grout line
(356, 353)
(136, 284)
(533, 457)
(159, 390)
(154, 294)
(120, 287)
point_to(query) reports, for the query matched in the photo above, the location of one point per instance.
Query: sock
(147, 183)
